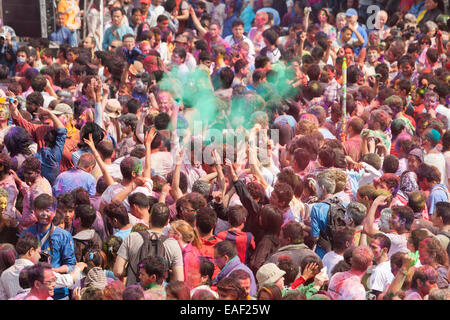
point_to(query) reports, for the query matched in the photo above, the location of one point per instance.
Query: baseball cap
(269, 273)
(62, 108)
(351, 12)
(113, 108)
(434, 135)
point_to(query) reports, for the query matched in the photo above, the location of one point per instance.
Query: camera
(45, 257)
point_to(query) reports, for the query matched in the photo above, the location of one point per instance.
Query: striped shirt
(242, 240)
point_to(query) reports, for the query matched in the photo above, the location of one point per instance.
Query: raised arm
(108, 179)
(149, 136)
(369, 228)
(177, 193)
(201, 31)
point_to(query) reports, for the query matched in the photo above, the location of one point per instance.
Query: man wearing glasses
(42, 280)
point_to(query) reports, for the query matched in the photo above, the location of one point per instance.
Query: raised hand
(149, 136)
(310, 270)
(90, 142)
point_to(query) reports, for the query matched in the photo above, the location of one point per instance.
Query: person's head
(401, 219)
(441, 216)
(152, 270)
(128, 41)
(271, 219)
(229, 288)
(269, 292)
(237, 215)
(110, 247)
(7, 256)
(431, 252)
(159, 215)
(206, 220)
(415, 158)
(342, 239)
(427, 176)
(380, 245)
(116, 214)
(188, 206)
(291, 233)
(41, 279)
(301, 159)
(86, 162)
(133, 292)
(22, 55)
(131, 167)
(355, 214)
(44, 208)
(281, 195)
(178, 55)
(139, 204)
(18, 141)
(417, 201)
(424, 278)
(136, 16)
(177, 290)
(117, 16)
(362, 258)
(243, 278)
(224, 251)
(86, 214)
(237, 27)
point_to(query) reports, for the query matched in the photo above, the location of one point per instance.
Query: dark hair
(294, 231)
(117, 210)
(226, 77)
(44, 201)
(237, 22)
(87, 214)
(183, 180)
(271, 218)
(133, 105)
(155, 265)
(139, 199)
(443, 211)
(353, 73)
(288, 265)
(273, 290)
(385, 242)
(26, 242)
(226, 248)
(313, 72)
(206, 268)
(161, 122)
(237, 215)
(81, 196)
(159, 215)
(110, 247)
(404, 213)
(342, 236)
(425, 171)
(87, 129)
(390, 164)
(105, 148)
(206, 219)
(229, 286)
(179, 290)
(301, 157)
(18, 141)
(36, 272)
(283, 192)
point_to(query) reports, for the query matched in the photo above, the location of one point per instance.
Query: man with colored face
(55, 242)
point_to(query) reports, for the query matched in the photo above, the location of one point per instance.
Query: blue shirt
(51, 158)
(363, 34)
(109, 36)
(63, 36)
(63, 252)
(437, 194)
(247, 15)
(319, 221)
(123, 233)
(74, 178)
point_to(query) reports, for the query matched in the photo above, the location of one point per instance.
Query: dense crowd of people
(233, 150)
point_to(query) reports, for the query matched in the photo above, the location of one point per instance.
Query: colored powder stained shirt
(244, 242)
(74, 178)
(10, 185)
(41, 185)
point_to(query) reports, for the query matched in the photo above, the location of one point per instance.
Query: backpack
(152, 247)
(81, 247)
(336, 218)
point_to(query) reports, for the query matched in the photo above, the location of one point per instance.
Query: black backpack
(336, 218)
(152, 247)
